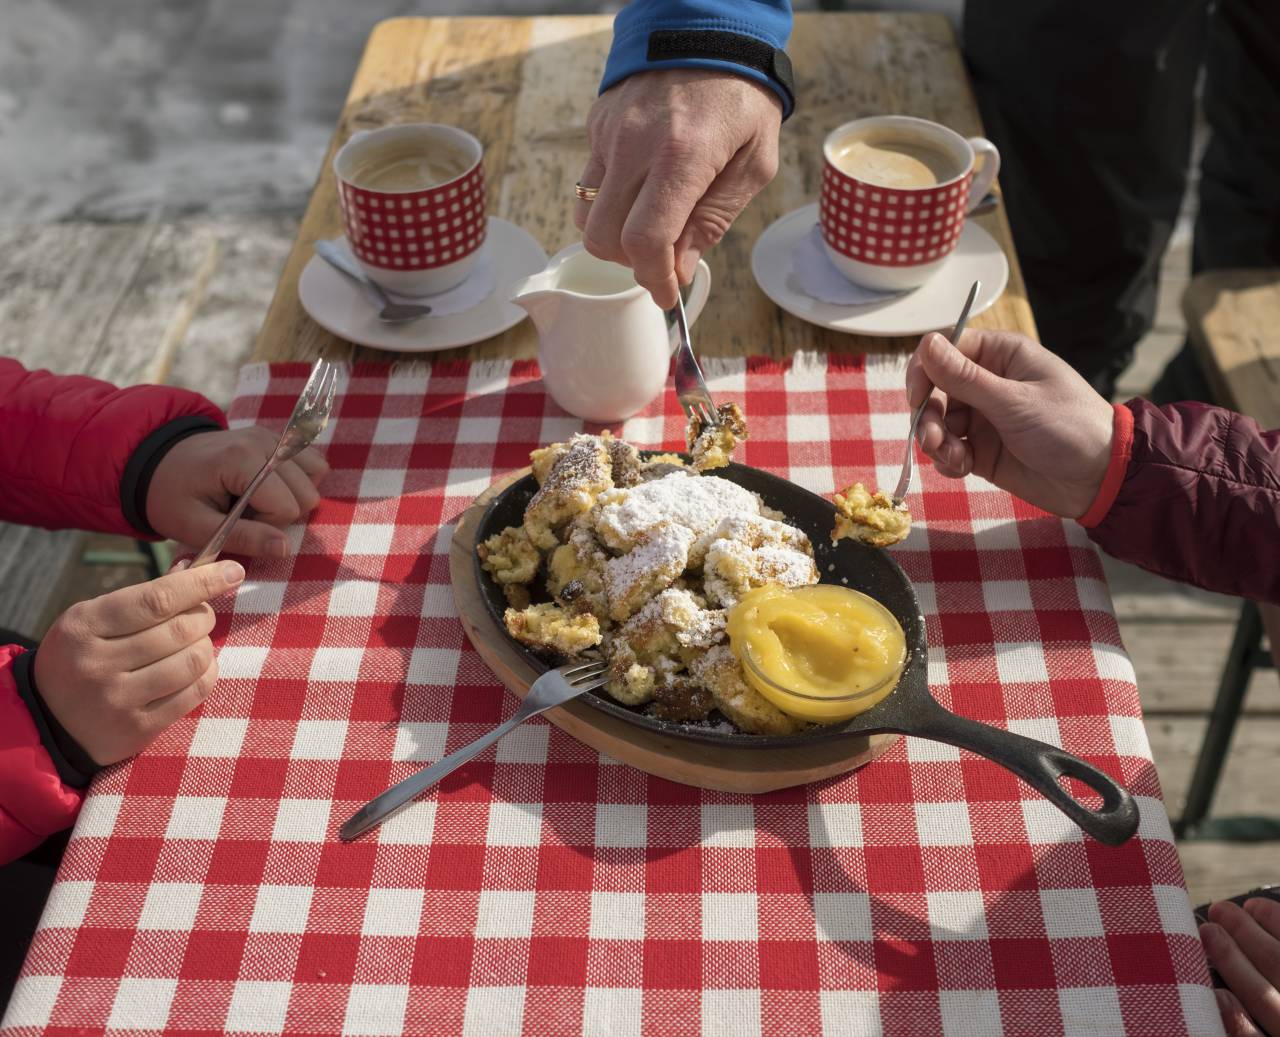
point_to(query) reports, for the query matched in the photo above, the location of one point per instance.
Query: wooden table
(524, 87)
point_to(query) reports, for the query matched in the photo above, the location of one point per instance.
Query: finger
(1266, 913)
(602, 235)
(248, 537)
(958, 419)
(954, 458)
(1235, 1020)
(313, 464)
(1258, 995)
(592, 176)
(300, 485)
(960, 377)
(918, 384)
(165, 677)
(723, 200)
(145, 605)
(254, 539)
(1259, 946)
(687, 256)
(180, 565)
(274, 503)
(663, 208)
(932, 429)
(159, 642)
(164, 711)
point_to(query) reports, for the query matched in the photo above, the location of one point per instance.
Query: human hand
(677, 154)
(117, 670)
(195, 483)
(1244, 946)
(1012, 412)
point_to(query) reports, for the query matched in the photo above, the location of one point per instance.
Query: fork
(309, 417)
(691, 388)
(908, 463)
(553, 688)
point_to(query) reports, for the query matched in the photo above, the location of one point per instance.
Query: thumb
(962, 379)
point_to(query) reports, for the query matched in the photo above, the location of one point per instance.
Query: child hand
(1007, 409)
(117, 670)
(194, 485)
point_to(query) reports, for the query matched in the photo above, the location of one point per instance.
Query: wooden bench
(1233, 321)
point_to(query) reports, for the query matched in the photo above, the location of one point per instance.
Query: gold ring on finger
(586, 194)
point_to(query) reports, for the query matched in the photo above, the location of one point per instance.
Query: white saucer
(933, 305)
(336, 303)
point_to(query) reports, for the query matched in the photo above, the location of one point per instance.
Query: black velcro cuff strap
(718, 45)
(75, 767)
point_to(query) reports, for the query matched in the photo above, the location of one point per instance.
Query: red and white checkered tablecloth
(546, 890)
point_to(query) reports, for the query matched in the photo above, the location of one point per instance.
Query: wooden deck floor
(181, 302)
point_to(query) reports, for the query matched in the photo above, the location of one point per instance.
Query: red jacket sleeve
(77, 452)
(34, 802)
(1193, 493)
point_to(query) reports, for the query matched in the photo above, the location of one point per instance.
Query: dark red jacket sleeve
(34, 800)
(76, 452)
(1193, 493)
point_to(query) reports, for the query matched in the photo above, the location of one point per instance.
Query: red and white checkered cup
(895, 238)
(415, 242)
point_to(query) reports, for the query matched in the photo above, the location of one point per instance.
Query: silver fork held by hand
(553, 688)
(309, 417)
(908, 463)
(691, 388)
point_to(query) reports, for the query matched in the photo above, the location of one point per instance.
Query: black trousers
(24, 888)
(1091, 105)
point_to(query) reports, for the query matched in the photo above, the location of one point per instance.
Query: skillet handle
(1040, 765)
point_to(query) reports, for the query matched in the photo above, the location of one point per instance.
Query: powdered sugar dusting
(697, 503)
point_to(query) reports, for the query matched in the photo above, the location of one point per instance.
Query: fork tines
(703, 410)
(580, 673)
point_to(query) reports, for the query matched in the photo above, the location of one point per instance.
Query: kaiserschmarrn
(637, 560)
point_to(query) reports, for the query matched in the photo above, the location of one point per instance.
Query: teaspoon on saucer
(391, 312)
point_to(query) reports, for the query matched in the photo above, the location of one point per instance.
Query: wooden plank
(61, 284)
(524, 87)
(1218, 870)
(1232, 316)
(1179, 665)
(1175, 745)
(35, 568)
(219, 338)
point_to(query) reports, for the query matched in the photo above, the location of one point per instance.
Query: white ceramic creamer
(604, 346)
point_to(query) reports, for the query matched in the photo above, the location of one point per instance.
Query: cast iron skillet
(911, 709)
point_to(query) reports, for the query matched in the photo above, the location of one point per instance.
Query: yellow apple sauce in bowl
(822, 653)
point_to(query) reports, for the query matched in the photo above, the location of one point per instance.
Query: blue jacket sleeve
(766, 21)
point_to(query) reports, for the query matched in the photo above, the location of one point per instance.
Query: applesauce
(822, 653)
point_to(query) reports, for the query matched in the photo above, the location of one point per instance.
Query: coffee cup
(413, 205)
(895, 194)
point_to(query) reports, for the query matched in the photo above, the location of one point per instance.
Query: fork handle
(399, 795)
(211, 550)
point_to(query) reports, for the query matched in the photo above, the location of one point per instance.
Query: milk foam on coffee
(893, 163)
(404, 165)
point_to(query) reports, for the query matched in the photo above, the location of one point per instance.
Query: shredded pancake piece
(574, 479)
(697, 503)
(871, 518)
(712, 446)
(549, 626)
(659, 555)
(720, 673)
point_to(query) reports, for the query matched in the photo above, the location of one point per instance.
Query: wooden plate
(748, 766)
